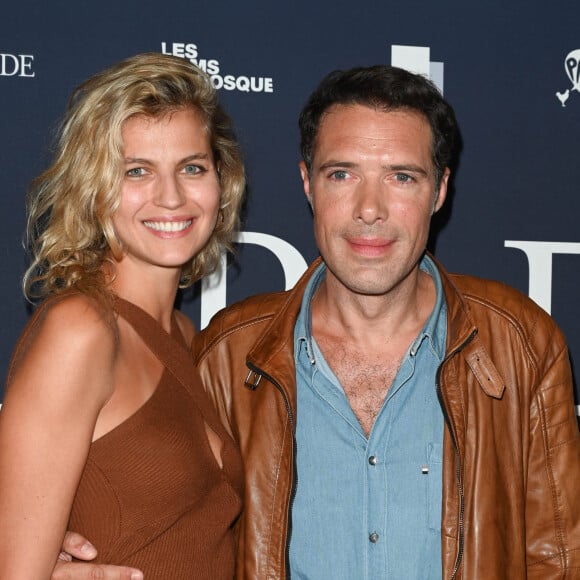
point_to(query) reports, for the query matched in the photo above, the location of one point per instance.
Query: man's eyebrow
(407, 167)
(396, 167)
(337, 163)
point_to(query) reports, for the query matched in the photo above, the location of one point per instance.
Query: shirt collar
(434, 330)
(303, 327)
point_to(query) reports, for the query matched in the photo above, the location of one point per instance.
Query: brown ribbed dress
(152, 494)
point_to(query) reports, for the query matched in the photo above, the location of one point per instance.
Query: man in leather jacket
(395, 420)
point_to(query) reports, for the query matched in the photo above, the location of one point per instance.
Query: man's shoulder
(240, 325)
(496, 300)
(492, 293)
(248, 315)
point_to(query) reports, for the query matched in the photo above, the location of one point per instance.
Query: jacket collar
(275, 348)
(463, 336)
(272, 354)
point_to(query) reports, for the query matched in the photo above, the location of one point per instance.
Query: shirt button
(372, 460)
(374, 538)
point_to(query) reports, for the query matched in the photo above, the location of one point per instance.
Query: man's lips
(370, 246)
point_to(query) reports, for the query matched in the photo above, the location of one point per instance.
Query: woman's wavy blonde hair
(70, 230)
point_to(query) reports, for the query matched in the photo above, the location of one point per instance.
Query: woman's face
(170, 190)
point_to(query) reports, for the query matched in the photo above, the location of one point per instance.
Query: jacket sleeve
(552, 524)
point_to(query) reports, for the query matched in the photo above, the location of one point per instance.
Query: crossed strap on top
(176, 357)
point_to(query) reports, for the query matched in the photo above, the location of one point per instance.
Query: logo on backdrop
(572, 68)
(228, 82)
(540, 256)
(417, 59)
(16, 65)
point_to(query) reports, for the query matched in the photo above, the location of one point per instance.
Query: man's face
(372, 191)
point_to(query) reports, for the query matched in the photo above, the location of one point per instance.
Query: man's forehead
(340, 111)
(350, 123)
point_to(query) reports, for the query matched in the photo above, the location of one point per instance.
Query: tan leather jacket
(511, 481)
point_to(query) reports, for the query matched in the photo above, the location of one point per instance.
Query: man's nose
(371, 201)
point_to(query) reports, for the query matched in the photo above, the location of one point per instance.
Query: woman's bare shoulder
(79, 317)
(72, 337)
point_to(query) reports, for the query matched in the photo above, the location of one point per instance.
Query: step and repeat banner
(510, 69)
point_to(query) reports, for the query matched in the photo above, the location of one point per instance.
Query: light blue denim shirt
(368, 508)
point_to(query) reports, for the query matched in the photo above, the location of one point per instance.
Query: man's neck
(370, 319)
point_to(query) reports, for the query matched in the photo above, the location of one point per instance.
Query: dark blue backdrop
(504, 67)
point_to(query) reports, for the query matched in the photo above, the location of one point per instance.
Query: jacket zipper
(456, 446)
(277, 385)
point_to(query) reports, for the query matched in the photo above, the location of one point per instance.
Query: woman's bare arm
(61, 379)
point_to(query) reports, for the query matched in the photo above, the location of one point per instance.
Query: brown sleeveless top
(152, 495)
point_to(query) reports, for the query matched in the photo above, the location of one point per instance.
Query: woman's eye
(193, 169)
(135, 172)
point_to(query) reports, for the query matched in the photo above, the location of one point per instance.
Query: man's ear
(305, 181)
(442, 193)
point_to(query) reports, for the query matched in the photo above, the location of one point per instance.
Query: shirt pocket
(434, 486)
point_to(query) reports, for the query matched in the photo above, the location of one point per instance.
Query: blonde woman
(105, 427)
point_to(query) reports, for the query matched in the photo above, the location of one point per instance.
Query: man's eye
(339, 175)
(403, 178)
